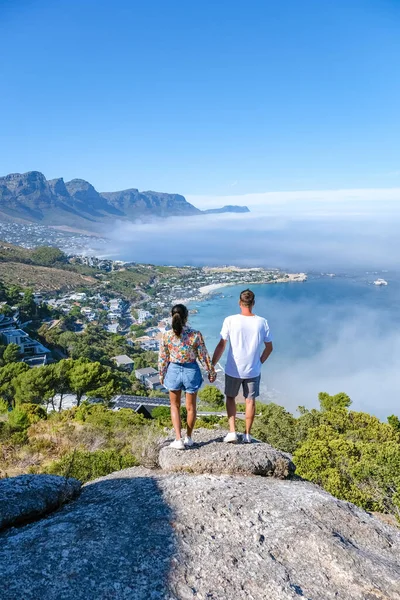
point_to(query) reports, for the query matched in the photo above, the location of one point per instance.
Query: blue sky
(202, 98)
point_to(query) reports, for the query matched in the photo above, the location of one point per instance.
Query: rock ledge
(211, 455)
(28, 497)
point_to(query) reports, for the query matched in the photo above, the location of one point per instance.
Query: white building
(143, 316)
(78, 297)
(27, 346)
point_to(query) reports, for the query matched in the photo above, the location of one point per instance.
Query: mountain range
(31, 198)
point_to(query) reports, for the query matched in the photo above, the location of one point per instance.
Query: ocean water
(330, 334)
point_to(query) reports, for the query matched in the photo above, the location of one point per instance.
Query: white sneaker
(231, 437)
(188, 441)
(246, 438)
(177, 444)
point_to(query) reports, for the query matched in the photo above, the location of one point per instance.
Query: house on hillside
(141, 374)
(140, 404)
(153, 383)
(27, 346)
(7, 322)
(123, 361)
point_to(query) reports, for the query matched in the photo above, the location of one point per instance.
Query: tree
(75, 312)
(146, 359)
(328, 402)
(27, 306)
(13, 294)
(11, 354)
(3, 292)
(6, 310)
(212, 396)
(87, 377)
(277, 427)
(8, 374)
(36, 386)
(394, 422)
(62, 372)
(48, 256)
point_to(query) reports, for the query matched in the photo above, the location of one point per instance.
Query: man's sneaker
(246, 438)
(188, 441)
(231, 437)
(177, 444)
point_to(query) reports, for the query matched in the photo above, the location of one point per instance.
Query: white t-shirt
(245, 335)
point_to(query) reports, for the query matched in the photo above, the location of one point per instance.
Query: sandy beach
(289, 277)
(208, 289)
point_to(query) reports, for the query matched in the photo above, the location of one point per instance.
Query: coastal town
(126, 300)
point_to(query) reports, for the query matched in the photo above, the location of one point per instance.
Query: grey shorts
(251, 387)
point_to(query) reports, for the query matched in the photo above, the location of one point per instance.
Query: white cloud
(267, 199)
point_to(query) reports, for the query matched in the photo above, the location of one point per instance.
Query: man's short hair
(247, 298)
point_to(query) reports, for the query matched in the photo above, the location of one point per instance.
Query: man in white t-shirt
(246, 333)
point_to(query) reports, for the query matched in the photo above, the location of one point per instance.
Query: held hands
(212, 377)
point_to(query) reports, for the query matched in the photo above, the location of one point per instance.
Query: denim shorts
(183, 376)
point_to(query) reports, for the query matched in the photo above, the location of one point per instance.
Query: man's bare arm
(218, 352)
(267, 351)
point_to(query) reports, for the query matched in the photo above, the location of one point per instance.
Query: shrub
(146, 446)
(18, 419)
(212, 396)
(162, 414)
(34, 411)
(208, 421)
(84, 465)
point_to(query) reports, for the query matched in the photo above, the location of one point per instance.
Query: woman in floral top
(180, 349)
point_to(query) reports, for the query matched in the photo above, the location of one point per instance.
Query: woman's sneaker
(231, 438)
(177, 444)
(247, 439)
(188, 441)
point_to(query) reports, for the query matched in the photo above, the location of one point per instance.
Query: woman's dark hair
(179, 314)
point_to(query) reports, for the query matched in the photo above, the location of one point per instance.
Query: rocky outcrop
(136, 204)
(29, 497)
(211, 455)
(29, 197)
(140, 534)
(229, 208)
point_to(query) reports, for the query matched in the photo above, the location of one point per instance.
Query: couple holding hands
(249, 347)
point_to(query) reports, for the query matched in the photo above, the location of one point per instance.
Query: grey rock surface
(139, 535)
(211, 455)
(28, 497)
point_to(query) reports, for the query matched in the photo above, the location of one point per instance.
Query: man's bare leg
(191, 413)
(231, 410)
(175, 399)
(250, 413)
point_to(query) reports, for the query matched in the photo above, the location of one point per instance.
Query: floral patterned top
(185, 349)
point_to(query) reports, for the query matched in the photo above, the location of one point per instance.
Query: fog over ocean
(330, 334)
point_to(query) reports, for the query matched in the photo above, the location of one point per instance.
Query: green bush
(162, 414)
(212, 396)
(18, 419)
(100, 415)
(208, 421)
(85, 466)
(34, 411)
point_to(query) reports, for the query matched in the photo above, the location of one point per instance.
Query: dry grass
(47, 279)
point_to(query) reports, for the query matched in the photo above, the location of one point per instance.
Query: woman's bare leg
(175, 399)
(191, 412)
